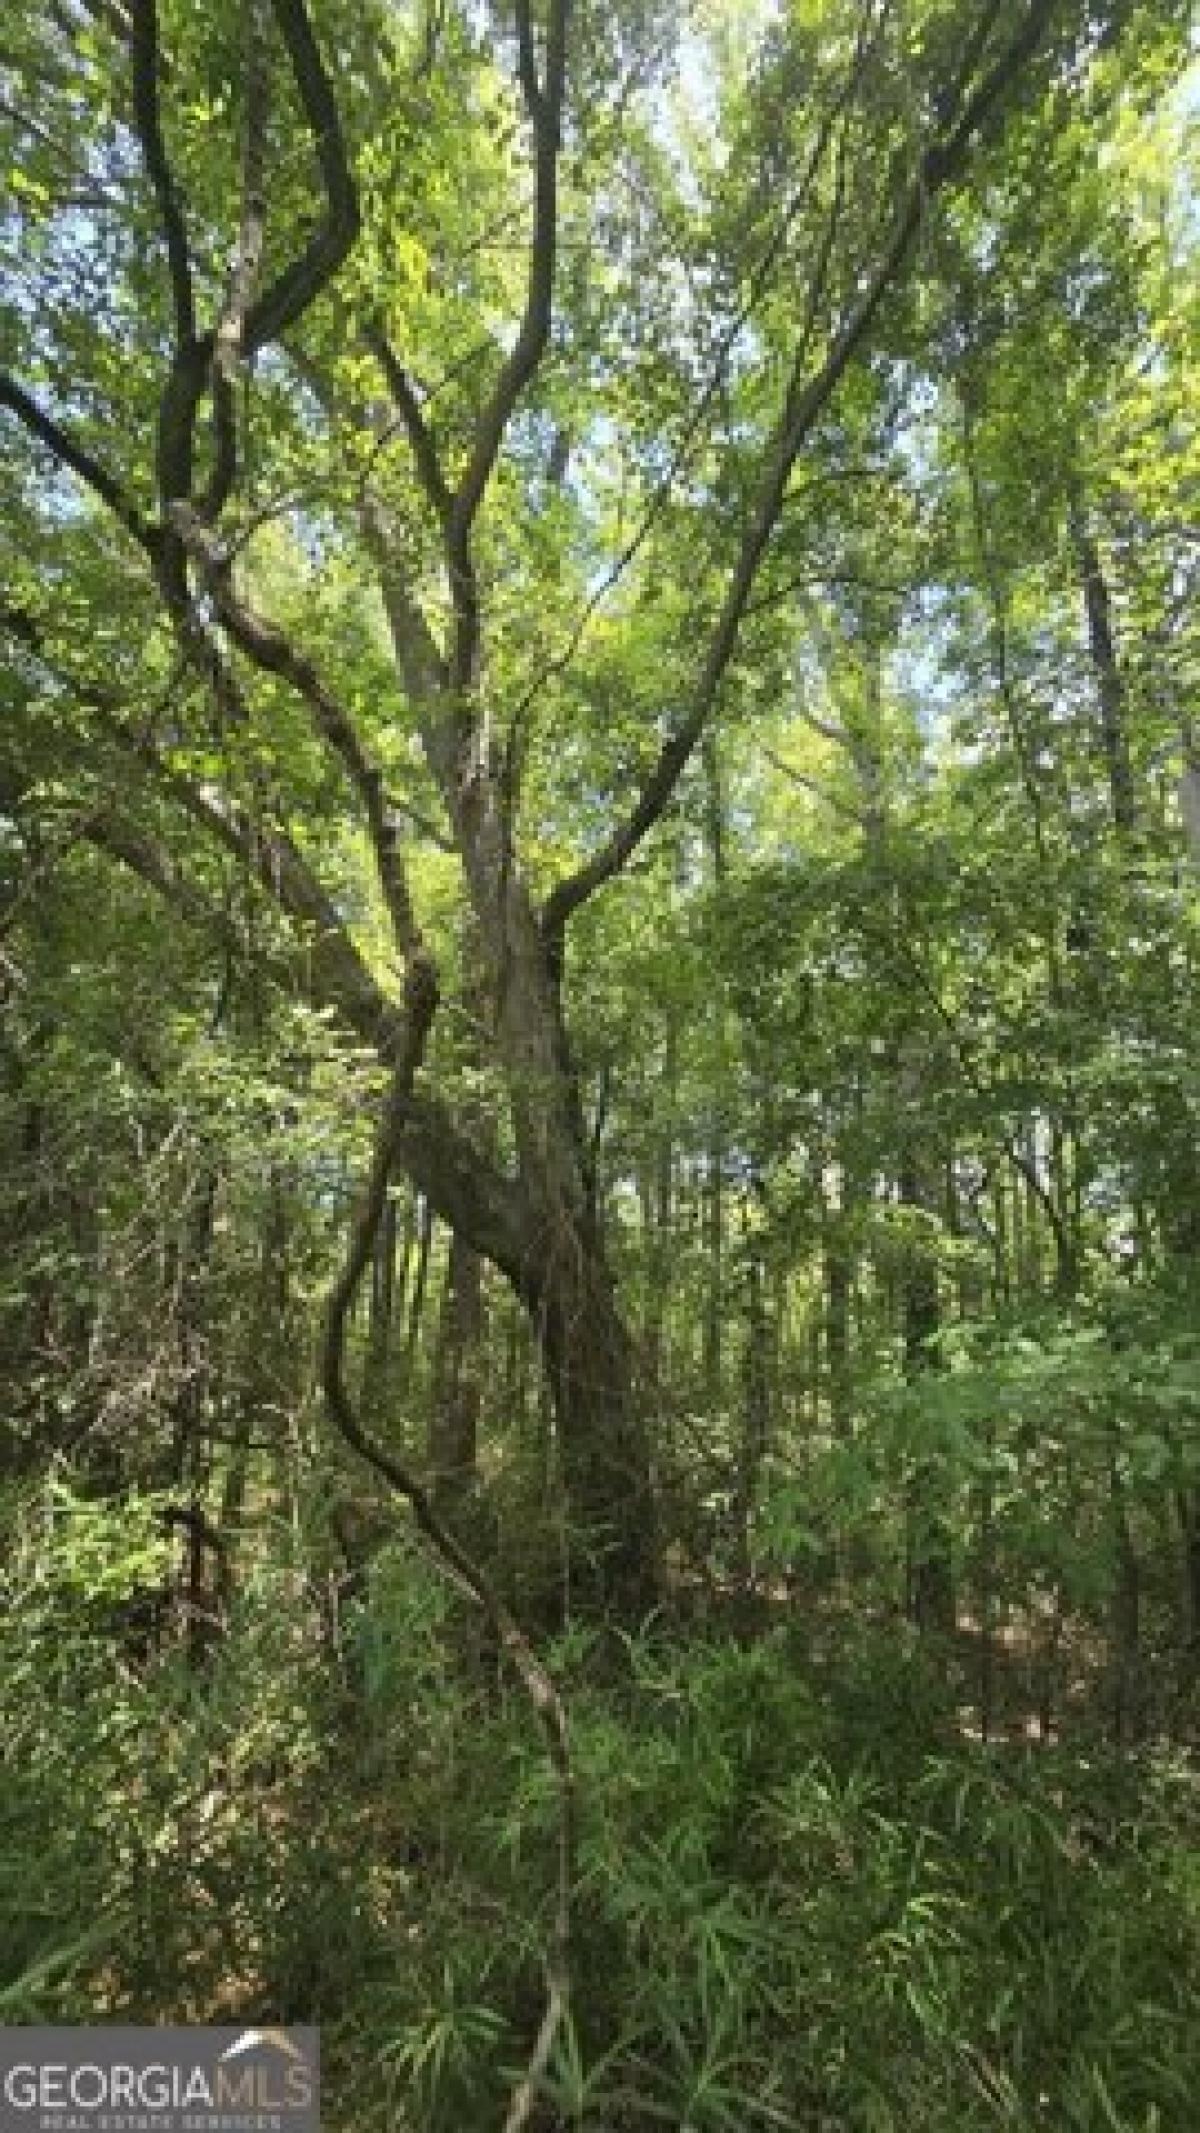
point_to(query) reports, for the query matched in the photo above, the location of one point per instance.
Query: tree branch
(693, 425)
(247, 260)
(248, 256)
(804, 403)
(301, 283)
(464, 1185)
(184, 388)
(79, 461)
(254, 323)
(417, 430)
(140, 853)
(814, 786)
(443, 720)
(273, 651)
(336, 975)
(148, 124)
(452, 1558)
(544, 103)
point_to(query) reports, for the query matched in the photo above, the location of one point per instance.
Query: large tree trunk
(602, 1442)
(603, 1447)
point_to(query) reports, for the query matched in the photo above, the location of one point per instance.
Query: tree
(276, 390)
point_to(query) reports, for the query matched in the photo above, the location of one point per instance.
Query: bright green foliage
(785, 1279)
(792, 1908)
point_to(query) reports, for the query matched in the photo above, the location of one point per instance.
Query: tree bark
(457, 1388)
(756, 1424)
(931, 1596)
(838, 1283)
(1110, 685)
(602, 1441)
(714, 1207)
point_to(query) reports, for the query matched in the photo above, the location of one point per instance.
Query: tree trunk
(602, 1445)
(1110, 686)
(457, 1389)
(659, 1208)
(416, 1308)
(1126, 1617)
(931, 1562)
(756, 1425)
(714, 1210)
(838, 1281)
(603, 1448)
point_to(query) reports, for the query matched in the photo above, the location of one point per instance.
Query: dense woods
(599, 920)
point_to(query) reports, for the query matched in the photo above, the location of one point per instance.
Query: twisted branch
(452, 1558)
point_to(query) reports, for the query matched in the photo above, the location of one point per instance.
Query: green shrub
(791, 1910)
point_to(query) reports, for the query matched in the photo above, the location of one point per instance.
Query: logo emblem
(118, 2080)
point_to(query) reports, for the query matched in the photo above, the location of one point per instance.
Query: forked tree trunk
(603, 1447)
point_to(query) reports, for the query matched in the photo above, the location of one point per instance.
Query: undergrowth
(801, 1901)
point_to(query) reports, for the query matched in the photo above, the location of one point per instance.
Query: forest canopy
(600, 1191)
